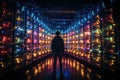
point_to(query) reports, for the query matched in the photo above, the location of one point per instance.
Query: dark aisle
(72, 70)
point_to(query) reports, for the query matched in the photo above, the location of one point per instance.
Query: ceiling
(61, 14)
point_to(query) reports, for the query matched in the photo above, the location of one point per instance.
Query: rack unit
(96, 31)
(24, 37)
(6, 35)
(109, 40)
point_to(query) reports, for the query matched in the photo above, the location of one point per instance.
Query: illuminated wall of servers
(92, 37)
(24, 37)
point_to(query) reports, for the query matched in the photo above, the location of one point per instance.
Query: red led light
(3, 52)
(4, 38)
(4, 11)
(4, 24)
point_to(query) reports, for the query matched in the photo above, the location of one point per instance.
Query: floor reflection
(72, 70)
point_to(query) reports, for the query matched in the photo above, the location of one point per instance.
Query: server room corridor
(72, 70)
(90, 31)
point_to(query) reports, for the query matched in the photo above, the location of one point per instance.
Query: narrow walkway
(72, 70)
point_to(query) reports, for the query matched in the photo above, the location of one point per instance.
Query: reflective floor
(72, 70)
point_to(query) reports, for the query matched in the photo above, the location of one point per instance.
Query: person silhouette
(57, 47)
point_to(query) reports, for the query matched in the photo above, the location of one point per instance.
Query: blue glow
(28, 22)
(23, 8)
(20, 29)
(45, 31)
(18, 50)
(79, 22)
(75, 25)
(17, 34)
(62, 32)
(57, 74)
(93, 13)
(103, 5)
(17, 46)
(37, 19)
(34, 18)
(85, 19)
(32, 15)
(28, 12)
(72, 27)
(82, 20)
(88, 15)
(35, 26)
(66, 73)
(58, 26)
(3, 32)
(77, 31)
(48, 33)
(98, 9)
(41, 22)
(111, 1)
(31, 27)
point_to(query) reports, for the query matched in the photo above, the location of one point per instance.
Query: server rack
(24, 37)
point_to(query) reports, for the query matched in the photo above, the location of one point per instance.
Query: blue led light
(111, 1)
(17, 46)
(2, 31)
(45, 31)
(28, 23)
(79, 23)
(88, 16)
(20, 29)
(93, 13)
(17, 34)
(35, 26)
(32, 15)
(82, 20)
(103, 5)
(76, 31)
(37, 19)
(98, 9)
(41, 22)
(31, 27)
(34, 18)
(28, 12)
(58, 26)
(23, 8)
(85, 19)
(63, 22)
(18, 50)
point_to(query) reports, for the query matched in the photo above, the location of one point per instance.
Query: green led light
(21, 29)
(17, 46)
(91, 50)
(110, 26)
(99, 51)
(18, 40)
